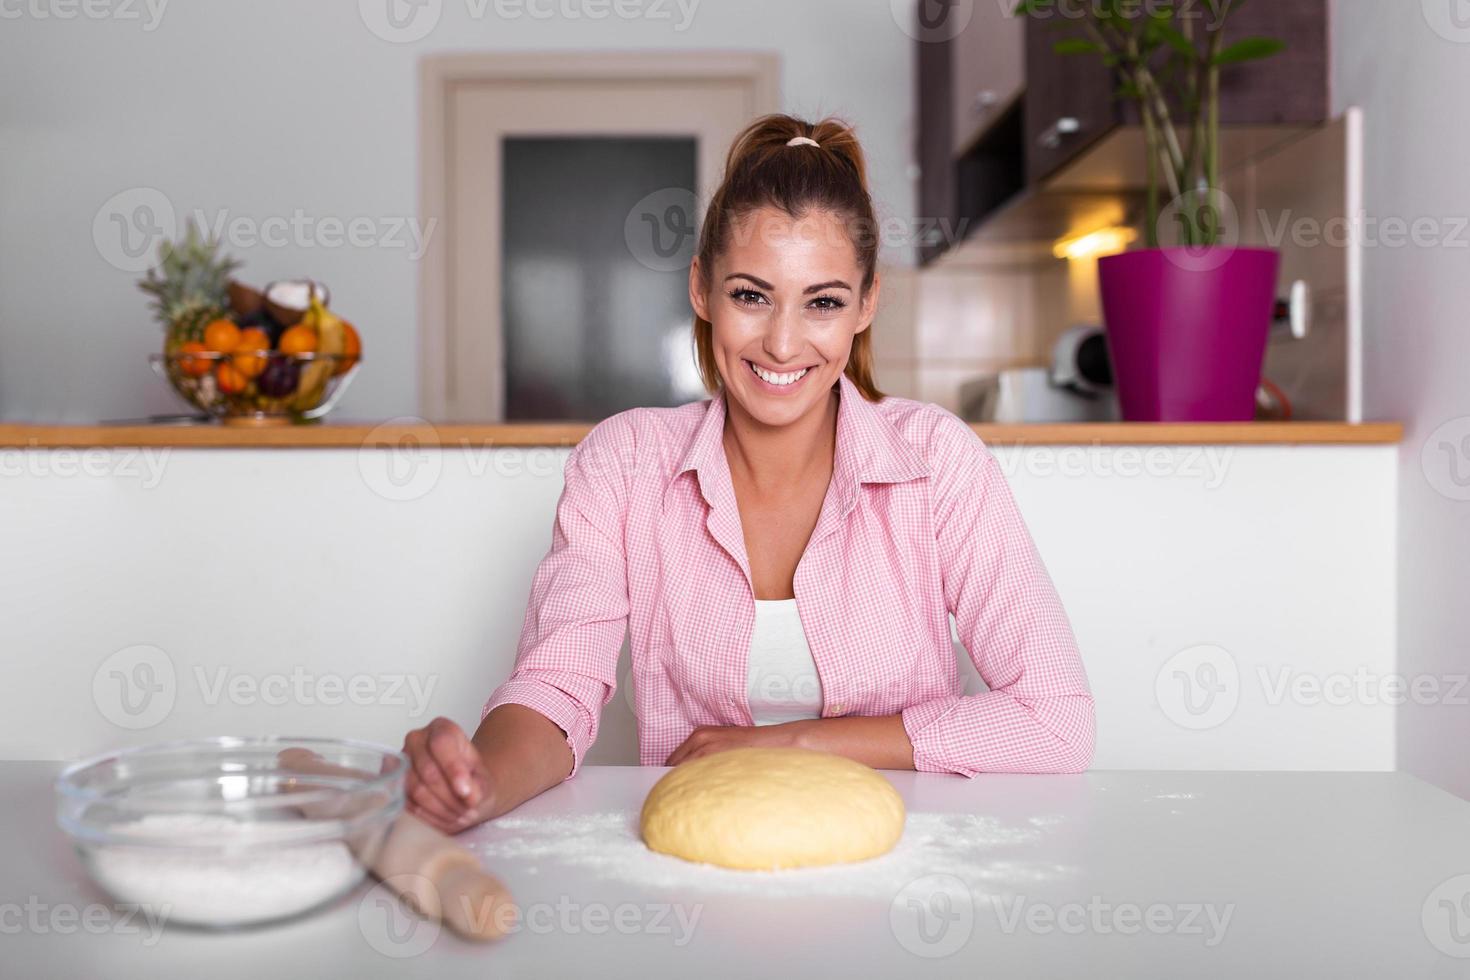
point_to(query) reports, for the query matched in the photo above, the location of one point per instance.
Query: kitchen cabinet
(1005, 122)
(988, 73)
(1071, 103)
(935, 145)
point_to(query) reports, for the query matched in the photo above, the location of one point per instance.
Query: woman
(786, 555)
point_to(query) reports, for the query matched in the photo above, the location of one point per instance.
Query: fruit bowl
(263, 387)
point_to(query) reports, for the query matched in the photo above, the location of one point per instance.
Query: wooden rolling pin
(428, 870)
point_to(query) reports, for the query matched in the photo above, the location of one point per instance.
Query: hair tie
(803, 141)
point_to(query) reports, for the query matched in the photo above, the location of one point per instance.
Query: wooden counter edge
(354, 435)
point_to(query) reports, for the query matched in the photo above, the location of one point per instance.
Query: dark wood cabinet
(935, 146)
(1071, 100)
(1032, 160)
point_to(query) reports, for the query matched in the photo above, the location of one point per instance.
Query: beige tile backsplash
(946, 327)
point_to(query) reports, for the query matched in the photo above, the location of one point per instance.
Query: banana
(331, 340)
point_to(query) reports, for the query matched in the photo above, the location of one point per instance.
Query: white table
(1115, 875)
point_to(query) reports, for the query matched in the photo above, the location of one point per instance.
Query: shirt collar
(869, 448)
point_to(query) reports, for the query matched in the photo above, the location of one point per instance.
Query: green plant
(189, 286)
(1168, 56)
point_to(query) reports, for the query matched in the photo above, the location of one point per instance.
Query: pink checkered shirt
(918, 524)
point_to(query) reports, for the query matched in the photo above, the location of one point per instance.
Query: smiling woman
(798, 487)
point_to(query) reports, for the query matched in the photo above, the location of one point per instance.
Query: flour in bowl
(971, 847)
(238, 879)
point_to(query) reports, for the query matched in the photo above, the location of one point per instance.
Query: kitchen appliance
(1078, 387)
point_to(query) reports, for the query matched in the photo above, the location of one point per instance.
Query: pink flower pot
(1187, 330)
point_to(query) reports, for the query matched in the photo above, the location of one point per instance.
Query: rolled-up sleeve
(577, 614)
(1038, 714)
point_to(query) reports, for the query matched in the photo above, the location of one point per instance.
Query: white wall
(264, 107)
(1408, 65)
(1234, 606)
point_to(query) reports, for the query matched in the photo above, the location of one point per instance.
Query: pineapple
(189, 287)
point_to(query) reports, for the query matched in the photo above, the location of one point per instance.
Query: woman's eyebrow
(742, 275)
(830, 284)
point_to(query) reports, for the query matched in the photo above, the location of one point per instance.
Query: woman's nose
(783, 338)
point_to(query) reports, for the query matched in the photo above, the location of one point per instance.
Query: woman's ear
(869, 310)
(698, 297)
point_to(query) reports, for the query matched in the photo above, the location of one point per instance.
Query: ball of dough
(772, 808)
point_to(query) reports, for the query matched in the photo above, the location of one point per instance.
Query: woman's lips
(774, 387)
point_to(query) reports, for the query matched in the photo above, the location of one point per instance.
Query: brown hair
(762, 171)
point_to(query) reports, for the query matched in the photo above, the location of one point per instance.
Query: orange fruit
(251, 352)
(222, 336)
(231, 381)
(298, 340)
(352, 352)
(194, 367)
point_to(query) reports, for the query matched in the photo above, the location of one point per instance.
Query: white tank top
(782, 684)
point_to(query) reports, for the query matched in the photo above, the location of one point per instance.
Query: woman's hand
(448, 785)
(709, 739)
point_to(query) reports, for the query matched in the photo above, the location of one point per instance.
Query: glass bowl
(260, 387)
(230, 832)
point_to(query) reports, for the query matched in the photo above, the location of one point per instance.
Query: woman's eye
(828, 304)
(746, 297)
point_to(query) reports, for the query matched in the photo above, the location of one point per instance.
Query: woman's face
(785, 303)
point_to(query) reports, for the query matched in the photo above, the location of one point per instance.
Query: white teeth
(778, 379)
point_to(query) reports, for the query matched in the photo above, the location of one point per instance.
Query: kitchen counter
(354, 435)
(1107, 874)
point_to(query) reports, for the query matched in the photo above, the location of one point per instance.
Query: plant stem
(1175, 171)
(1151, 141)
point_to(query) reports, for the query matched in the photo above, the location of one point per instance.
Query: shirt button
(838, 709)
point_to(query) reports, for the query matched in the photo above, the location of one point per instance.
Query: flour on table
(973, 848)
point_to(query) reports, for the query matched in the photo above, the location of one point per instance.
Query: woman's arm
(538, 725)
(879, 742)
(1038, 714)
